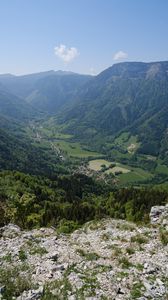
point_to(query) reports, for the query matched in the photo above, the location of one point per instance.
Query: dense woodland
(67, 202)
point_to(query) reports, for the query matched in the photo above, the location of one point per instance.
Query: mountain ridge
(118, 99)
(129, 96)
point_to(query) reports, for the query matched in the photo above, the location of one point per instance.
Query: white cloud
(65, 53)
(120, 55)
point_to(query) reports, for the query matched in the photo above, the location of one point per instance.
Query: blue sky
(85, 36)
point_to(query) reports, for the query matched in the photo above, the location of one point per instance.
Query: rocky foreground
(107, 259)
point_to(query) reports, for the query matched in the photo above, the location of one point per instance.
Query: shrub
(130, 250)
(14, 283)
(125, 263)
(163, 235)
(22, 255)
(140, 239)
(67, 226)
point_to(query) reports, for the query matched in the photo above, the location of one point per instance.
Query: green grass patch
(136, 290)
(161, 169)
(22, 255)
(136, 175)
(139, 238)
(87, 255)
(127, 142)
(125, 263)
(96, 164)
(75, 149)
(163, 235)
(7, 257)
(122, 138)
(38, 250)
(117, 170)
(130, 250)
(14, 283)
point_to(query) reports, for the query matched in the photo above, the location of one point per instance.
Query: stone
(159, 215)
(104, 276)
(2, 289)
(158, 281)
(120, 291)
(32, 294)
(53, 256)
(155, 213)
(10, 230)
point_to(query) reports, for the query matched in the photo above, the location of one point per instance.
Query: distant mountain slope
(127, 96)
(46, 91)
(18, 152)
(54, 91)
(21, 86)
(13, 107)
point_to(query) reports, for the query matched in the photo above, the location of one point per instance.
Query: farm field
(135, 175)
(127, 142)
(162, 169)
(125, 174)
(117, 169)
(75, 149)
(96, 164)
(128, 174)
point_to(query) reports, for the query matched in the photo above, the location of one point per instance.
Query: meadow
(74, 149)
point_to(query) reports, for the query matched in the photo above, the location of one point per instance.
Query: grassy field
(162, 169)
(75, 149)
(135, 175)
(46, 136)
(96, 164)
(53, 134)
(117, 169)
(129, 174)
(122, 138)
(118, 155)
(127, 142)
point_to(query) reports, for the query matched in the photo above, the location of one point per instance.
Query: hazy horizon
(84, 37)
(72, 72)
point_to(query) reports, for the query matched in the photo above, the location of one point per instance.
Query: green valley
(101, 133)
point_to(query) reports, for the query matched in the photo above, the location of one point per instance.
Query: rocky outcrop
(10, 231)
(159, 215)
(107, 259)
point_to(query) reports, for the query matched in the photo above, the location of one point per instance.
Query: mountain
(19, 152)
(21, 86)
(14, 107)
(45, 91)
(127, 96)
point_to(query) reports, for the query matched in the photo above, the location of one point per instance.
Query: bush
(67, 226)
(22, 255)
(140, 239)
(14, 283)
(163, 236)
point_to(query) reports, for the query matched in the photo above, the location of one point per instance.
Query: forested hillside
(45, 91)
(87, 137)
(126, 97)
(20, 153)
(15, 108)
(69, 201)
